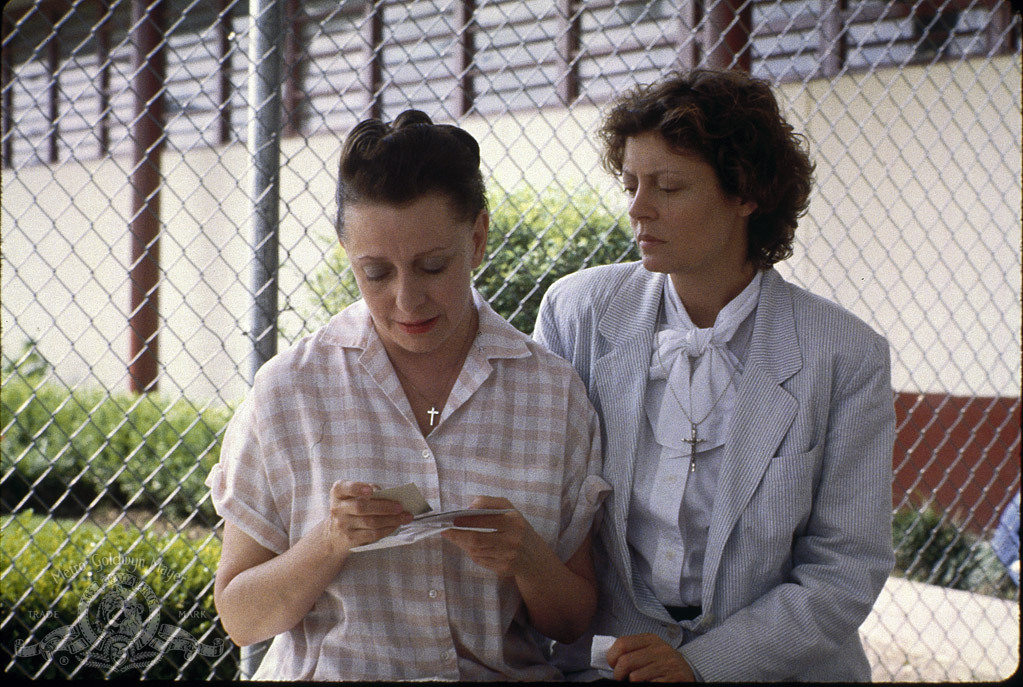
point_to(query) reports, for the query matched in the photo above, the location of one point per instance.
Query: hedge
(53, 570)
(65, 450)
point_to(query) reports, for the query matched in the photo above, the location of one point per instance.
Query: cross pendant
(693, 440)
(433, 412)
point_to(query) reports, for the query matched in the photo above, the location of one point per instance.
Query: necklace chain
(679, 401)
(455, 366)
(694, 438)
(667, 383)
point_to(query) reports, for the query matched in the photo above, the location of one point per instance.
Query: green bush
(537, 239)
(63, 450)
(534, 239)
(60, 580)
(932, 547)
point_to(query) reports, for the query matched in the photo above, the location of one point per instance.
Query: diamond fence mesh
(131, 241)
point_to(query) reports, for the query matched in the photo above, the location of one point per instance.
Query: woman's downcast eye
(375, 273)
(434, 266)
(380, 272)
(631, 190)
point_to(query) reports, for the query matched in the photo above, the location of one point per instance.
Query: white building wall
(915, 226)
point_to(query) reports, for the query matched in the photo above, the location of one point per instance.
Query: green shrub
(534, 239)
(537, 239)
(57, 579)
(64, 450)
(932, 547)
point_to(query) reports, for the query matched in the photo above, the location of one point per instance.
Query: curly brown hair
(732, 121)
(399, 162)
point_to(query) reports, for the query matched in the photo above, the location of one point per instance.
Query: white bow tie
(672, 345)
(696, 386)
(699, 373)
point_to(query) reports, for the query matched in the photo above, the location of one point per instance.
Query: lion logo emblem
(118, 627)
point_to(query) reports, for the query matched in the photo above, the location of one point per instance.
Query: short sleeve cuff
(585, 516)
(239, 514)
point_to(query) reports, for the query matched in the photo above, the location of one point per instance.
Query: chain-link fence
(152, 259)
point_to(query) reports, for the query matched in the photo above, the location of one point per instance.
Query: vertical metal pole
(265, 20)
(264, 151)
(147, 137)
(372, 71)
(294, 68)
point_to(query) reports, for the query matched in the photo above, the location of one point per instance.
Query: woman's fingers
(506, 551)
(361, 519)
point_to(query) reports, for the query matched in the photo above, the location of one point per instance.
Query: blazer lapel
(764, 412)
(620, 378)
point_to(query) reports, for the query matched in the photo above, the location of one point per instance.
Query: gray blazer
(800, 537)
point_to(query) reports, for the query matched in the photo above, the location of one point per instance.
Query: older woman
(748, 423)
(421, 382)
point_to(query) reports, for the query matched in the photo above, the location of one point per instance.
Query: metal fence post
(264, 152)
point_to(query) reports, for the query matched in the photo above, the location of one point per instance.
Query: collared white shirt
(670, 507)
(517, 424)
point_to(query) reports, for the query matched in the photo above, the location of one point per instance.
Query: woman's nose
(641, 206)
(410, 293)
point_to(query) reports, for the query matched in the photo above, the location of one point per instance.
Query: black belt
(684, 612)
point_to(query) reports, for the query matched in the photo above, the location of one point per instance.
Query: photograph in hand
(425, 522)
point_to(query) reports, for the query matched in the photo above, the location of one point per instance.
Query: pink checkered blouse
(517, 424)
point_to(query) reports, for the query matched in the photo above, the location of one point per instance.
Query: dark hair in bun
(399, 162)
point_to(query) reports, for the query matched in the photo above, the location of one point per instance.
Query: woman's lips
(648, 242)
(421, 327)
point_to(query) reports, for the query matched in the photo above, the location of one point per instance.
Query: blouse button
(433, 593)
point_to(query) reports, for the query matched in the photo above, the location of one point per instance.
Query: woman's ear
(747, 208)
(480, 231)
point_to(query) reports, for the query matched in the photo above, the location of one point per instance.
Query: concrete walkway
(921, 633)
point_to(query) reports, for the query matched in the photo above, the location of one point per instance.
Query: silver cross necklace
(456, 366)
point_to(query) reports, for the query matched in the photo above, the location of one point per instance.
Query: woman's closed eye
(433, 266)
(376, 272)
(381, 272)
(631, 189)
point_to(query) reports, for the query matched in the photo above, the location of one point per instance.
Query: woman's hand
(511, 551)
(356, 518)
(260, 594)
(560, 596)
(647, 658)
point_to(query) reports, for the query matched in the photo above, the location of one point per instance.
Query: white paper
(429, 524)
(598, 653)
(408, 495)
